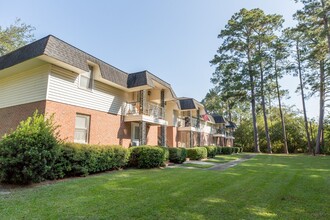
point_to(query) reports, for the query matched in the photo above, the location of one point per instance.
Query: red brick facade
(105, 128)
(10, 117)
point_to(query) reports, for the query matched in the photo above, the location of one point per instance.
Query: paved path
(231, 163)
(216, 166)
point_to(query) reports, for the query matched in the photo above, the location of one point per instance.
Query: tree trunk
(326, 24)
(269, 145)
(253, 102)
(281, 113)
(310, 150)
(321, 115)
(254, 117)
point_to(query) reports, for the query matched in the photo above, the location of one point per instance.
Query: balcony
(152, 113)
(220, 133)
(188, 124)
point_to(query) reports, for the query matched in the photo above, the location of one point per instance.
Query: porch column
(143, 124)
(163, 127)
(143, 101)
(191, 137)
(198, 126)
(143, 133)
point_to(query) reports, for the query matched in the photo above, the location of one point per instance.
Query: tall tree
(235, 59)
(313, 20)
(265, 34)
(239, 59)
(15, 36)
(280, 55)
(295, 40)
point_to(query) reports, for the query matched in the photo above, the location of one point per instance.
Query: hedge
(177, 154)
(148, 156)
(211, 151)
(227, 150)
(219, 150)
(197, 153)
(236, 150)
(29, 153)
(82, 159)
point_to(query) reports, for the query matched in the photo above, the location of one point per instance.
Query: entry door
(135, 134)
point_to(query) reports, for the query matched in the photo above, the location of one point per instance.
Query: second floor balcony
(151, 112)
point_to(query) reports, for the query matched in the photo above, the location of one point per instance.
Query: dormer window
(86, 79)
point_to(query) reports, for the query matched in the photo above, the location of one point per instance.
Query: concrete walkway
(231, 163)
(215, 166)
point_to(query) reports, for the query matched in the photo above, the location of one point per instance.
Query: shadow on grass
(264, 187)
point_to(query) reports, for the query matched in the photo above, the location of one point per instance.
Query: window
(81, 132)
(86, 79)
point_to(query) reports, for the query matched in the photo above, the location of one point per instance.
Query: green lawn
(264, 187)
(225, 158)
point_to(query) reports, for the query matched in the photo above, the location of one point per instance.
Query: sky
(173, 39)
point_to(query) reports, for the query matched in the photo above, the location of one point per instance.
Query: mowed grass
(225, 158)
(264, 187)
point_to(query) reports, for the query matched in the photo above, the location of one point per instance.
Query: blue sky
(174, 39)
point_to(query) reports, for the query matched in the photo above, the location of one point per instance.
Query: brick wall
(105, 128)
(153, 131)
(10, 117)
(172, 136)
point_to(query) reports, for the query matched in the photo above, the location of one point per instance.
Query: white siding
(64, 88)
(25, 87)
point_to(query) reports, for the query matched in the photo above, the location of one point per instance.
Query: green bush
(29, 153)
(177, 154)
(236, 150)
(82, 159)
(211, 151)
(197, 153)
(227, 150)
(219, 150)
(148, 156)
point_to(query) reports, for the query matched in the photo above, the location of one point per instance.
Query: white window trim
(87, 129)
(92, 78)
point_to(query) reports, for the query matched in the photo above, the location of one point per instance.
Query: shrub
(148, 156)
(241, 151)
(211, 151)
(219, 150)
(177, 154)
(166, 154)
(227, 150)
(82, 159)
(29, 153)
(197, 153)
(236, 150)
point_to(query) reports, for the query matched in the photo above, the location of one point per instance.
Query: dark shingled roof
(186, 104)
(138, 79)
(219, 119)
(231, 125)
(27, 52)
(64, 52)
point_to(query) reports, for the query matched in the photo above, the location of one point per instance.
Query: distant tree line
(255, 53)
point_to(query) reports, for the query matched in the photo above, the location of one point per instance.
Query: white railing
(187, 122)
(151, 109)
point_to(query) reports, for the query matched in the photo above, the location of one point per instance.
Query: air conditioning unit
(135, 143)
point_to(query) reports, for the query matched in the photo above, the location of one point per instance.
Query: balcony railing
(151, 109)
(187, 122)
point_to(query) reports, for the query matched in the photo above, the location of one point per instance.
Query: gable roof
(231, 125)
(59, 50)
(186, 104)
(219, 119)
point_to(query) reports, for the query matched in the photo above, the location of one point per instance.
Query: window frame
(87, 129)
(91, 79)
